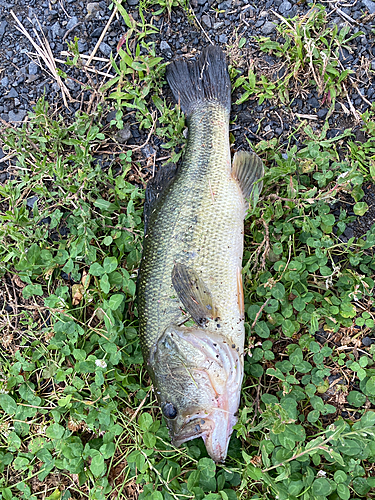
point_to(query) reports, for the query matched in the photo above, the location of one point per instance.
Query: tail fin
(205, 79)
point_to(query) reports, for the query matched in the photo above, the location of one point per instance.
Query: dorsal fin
(155, 187)
(247, 169)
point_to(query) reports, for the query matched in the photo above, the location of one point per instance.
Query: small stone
(92, 7)
(313, 101)
(3, 26)
(133, 2)
(5, 81)
(31, 201)
(56, 87)
(367, 341)
(70, 84)
(17, 102)
(225, 5)
(164, 46)
(73, 21)
(201, 2)
(285, 7)
(370, 6)
(124, 134)
(218, 25)
(207, 21)
(97, 32)
(33, 68)
(105, 49)
(322, 113)
(148, 151)
(55, 29)
(223, 38)
(349, 232)
(268, 27)
(372, 65)
(17, 117)
(82, 46)
(13, 93)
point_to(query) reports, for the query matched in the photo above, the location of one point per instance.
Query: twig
(201, 27)
(92, 70)
(102, 36)
(259, 313)
(46, 55)
(70, 30)
(342, 14)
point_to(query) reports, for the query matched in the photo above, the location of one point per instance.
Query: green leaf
(110, 264)
(360, 208)
(370, 386)
(31, 290)
(278, 291)
(356, 399)
(104, 283)
(321, 486)
(8, 404)
(96, 269)
(261, 328)
(343, 491)
(207, 467)
(145, 421)
(115, 301)
(339, 476)
(55, 431)
(97, 465)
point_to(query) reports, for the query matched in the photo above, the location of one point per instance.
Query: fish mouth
(215, 424)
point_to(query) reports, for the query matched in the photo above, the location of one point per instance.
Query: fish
(190, 290)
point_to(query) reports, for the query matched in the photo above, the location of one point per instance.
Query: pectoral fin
(247, 169)
(194, 294)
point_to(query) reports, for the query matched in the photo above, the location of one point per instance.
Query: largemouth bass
(191, 266)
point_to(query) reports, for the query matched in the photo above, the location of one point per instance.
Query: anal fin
(247, 169)
(194, 294)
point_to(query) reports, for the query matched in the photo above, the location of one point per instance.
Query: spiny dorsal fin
(247, 169)
(155, 187)
(194, 294)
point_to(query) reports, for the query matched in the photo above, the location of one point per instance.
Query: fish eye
(169, 411)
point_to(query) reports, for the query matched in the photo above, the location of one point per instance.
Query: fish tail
(196, 82)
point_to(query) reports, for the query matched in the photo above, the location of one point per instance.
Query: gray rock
(82, 46)
(97, 32)
(92, 7)
(367, 341)
(124, 134)
(133, 2)
(268, 27)
(369, 5)
(372, 65)
(5, 81)
(322, 113)
(201, 2)
(218, 25)
(164, 46)
(285, 8)
(223, 38)
(207, 21)
(17, 117)
(30, 202)
(3, 26)
(148, 151)
(13, 93)
(73, 21)
(225, 5)
(56, 87)
(70, 84)
(105, 49)
(349, 232)
(56, 30)
(33, 68)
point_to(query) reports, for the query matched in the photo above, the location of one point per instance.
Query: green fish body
(191, 265)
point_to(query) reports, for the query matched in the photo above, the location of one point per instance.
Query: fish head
(197, 377)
